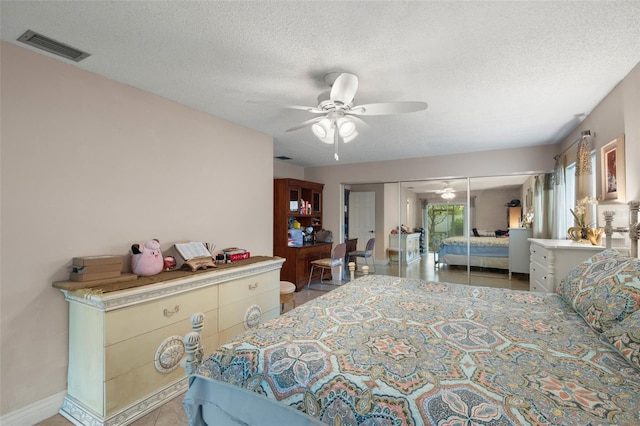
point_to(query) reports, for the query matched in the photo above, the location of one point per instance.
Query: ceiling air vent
(52, 46)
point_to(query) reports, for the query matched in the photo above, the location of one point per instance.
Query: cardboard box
(74, 276)
(96, 269)
(76, 285)
(97, 260)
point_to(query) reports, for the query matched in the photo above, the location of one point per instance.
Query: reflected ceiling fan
(448, 193)
(339, 116)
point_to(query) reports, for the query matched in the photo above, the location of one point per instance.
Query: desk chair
(336, 259)
(366, 253)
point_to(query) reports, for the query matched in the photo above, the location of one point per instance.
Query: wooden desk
(297, 267)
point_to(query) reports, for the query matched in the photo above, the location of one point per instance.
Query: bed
(486, 252)
(396, 351)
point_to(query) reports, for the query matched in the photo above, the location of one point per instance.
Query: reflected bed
(486, 252)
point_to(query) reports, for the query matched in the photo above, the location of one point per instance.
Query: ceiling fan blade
(305, 124)
(387, 108)
(344, 88)
(306, 108)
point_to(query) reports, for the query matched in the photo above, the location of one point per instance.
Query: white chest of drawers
(551, 260)
(408, 246)
(519, 250)
(125, 346)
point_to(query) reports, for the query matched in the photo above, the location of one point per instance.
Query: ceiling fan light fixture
(322, 129)
(349, 138)
(448, 195)
(346, 126)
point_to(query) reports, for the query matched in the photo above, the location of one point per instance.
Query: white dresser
(407, 247)
(519, 250)
(551, 261)
(125, 346)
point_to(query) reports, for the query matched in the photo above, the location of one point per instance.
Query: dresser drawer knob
(168, 313)
(253, 286)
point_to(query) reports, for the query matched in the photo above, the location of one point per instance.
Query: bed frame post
(608, 228)
(193, 346)
(634, 227)
(352, 270)
(365, 270)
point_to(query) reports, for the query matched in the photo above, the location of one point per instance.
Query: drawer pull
(253, 286)
(168, 313)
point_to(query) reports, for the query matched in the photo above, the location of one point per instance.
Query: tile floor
(172, 413)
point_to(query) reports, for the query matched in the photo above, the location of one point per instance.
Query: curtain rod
(583, 134)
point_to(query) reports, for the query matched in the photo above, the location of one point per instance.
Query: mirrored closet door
(452, 229)
(500, 229)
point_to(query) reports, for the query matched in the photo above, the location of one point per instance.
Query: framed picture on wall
(612, 170)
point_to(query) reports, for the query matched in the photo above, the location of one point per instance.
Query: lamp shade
(325, 129)
(322, 129)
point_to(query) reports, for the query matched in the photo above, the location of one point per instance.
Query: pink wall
(90, 166)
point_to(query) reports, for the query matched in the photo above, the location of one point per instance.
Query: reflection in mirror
(425, 229)
(444, 211)
(501, 219)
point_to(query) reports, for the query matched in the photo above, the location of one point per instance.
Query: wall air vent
(52, 46)
(283, 157)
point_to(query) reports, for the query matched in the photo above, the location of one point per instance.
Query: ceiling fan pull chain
(336, 142)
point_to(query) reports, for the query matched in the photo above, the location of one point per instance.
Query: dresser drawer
(538, 272)
(539, 286)
(234, 313)
(134, 320)
(539, 254)
(132, 353)
(244, 288)
(229, 334)
(135, 384)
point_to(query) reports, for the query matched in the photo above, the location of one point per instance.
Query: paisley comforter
(395, 351)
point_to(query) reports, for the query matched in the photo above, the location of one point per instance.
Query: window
(570, 188)
(442, 221)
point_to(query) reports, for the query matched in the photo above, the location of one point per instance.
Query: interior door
(362, 217)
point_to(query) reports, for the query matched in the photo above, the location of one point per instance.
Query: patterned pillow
(614, 297)
(588, 274)
(625, 338)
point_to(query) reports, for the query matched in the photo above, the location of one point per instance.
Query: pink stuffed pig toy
(147, 260)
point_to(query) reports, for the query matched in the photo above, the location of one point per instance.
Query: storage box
(96, 268)
(97, 260)
(74, 276)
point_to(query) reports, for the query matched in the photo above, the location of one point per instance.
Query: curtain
(543, 206)
(558, 212)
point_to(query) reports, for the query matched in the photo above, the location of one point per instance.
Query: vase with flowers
(583, 232)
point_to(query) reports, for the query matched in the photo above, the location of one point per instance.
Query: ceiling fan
(339, 115)
(447, 192)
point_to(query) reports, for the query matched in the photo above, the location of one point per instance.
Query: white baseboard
(36, 412)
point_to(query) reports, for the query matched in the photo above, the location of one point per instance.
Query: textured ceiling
(495, 74)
